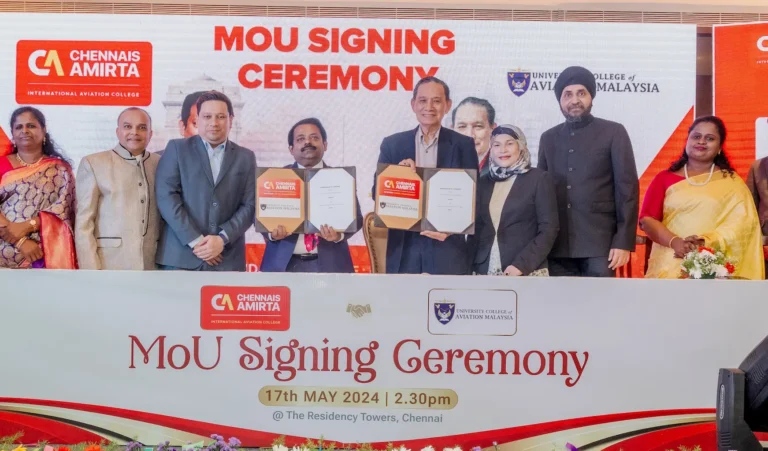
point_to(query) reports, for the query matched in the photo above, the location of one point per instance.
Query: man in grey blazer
(206, 194)
(593, 166)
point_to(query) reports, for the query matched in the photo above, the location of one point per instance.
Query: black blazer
(528, 226)
(454, 150)
(596, 184)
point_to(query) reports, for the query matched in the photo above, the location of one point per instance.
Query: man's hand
(617, 258)
(439, 236)
(209, 247)
(14, 231)
(279, 233)
(31, 251)
(329, 234)
(215, 261)
(408, 162)
(512, 271)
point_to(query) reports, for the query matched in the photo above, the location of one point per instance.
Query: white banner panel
(525, 362)
(355, 77)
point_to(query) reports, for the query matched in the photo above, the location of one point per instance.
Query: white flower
(300, 448)
(279, 448)
(452, 449)
(695, 272)
(402, 448)
(721, 272)
(428, 448)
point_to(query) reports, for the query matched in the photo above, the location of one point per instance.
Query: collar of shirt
(214, 151)
(320, 165)
(586, 120)
(420, 136)
(124, 154)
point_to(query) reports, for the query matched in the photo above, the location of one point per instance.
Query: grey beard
(578, 118)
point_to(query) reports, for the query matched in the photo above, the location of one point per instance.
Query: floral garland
(321, 445)
(220, 444)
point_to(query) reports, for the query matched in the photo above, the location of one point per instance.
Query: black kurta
(597, 188)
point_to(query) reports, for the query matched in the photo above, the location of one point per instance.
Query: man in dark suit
(206, 194)
(326, 251)
(593, 166)
(428, 146)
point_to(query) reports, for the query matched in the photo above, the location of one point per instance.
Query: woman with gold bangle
(36, 195)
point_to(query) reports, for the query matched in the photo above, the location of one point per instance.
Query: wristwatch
(224, 237)
(33, 223)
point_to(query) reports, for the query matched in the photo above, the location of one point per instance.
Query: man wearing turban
(593, 166)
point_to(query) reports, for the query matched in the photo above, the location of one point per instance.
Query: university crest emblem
(518, 82)
(444, 311)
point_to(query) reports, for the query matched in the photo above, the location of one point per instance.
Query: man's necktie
(310, 241)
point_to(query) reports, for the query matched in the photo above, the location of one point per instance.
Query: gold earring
(44, 140)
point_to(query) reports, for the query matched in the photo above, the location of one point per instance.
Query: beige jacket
(117, 224)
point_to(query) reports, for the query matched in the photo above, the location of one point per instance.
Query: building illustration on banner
(174, 101)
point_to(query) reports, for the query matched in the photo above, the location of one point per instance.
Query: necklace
(24, 163)
(711, 171)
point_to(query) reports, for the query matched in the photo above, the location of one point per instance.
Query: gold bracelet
(669, 245)
(20, 242)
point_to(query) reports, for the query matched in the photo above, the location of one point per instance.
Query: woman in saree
(701, 201)
(37, 191)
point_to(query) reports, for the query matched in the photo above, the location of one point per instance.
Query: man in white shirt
(326, 251)
(206, 194)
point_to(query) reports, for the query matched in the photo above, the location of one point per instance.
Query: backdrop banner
(82, 69)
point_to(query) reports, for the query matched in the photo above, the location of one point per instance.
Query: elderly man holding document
(423, 249)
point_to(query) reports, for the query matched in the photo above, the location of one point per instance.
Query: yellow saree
(723, 213)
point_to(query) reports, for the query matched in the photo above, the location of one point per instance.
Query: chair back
(376, 241)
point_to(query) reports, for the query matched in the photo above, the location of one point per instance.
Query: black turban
(575, 75)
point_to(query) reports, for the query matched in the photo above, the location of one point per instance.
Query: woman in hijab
(517, 219)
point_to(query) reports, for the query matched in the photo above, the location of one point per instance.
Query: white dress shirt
(215, 157)
(301, 248)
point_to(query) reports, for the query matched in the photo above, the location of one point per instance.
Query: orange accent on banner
(280, 188)
(360, 259)
(403, 188)
(105, 73)
(670, 152)
(740, 73)
(245, 308)
(254, 254)
(5, 143)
